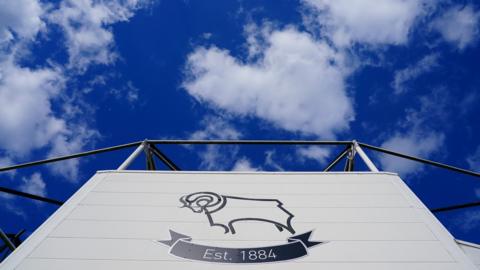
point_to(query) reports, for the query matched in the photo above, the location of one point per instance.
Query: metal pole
(6, 240)
(350, 159)
(132, 157)
(429, 162)
(337, 159)
(364, 157)
(93, 152)
(159, 154)
(30, 196)
(252, 142)
(149, 157)
(455, 207)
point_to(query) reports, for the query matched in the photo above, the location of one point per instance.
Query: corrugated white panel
(159, 230)
(239, 189)
(326, 200)
(366, 221)
(310, 214)
(338, 251)
(472, 250)
(76, 264)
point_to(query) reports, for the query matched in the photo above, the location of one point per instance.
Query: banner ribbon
(296, 247)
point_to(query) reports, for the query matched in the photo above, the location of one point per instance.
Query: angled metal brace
(83, 154)
(364, 157)
(132, 157)
(455, 207)
(421, 160)
(337, 159)
(350, 158)
(169, 163)
(7, 241)
(30, 196)
(149, 156)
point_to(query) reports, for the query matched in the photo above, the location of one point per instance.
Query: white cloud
(216, 157)
(474, 162)
(417, 135)
(86, 24)
(320, 154)
(9, 204)
(377, 22)
(296, 83)
(128, 92)
(215, 127)
(469, 221)
(412, 143)
(271, 162)
(244, 164)
(20, 18)
(27, 121)
(71, 141)
(459, 26)
(28, 96)
(7, 161)
(34, 185)
(402, 77)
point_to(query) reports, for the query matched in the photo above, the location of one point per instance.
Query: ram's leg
(230, 226)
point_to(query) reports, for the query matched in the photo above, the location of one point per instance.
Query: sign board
(239, 220)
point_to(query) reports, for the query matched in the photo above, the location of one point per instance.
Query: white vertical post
(364, 157)
(132, 157)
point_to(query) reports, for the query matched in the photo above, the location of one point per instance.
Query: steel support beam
(251, 142)
(337, 159)
(421, 160)
(364, 157)
(160, 155)
(132, 157)
(30, 196)
(88, 153)
(455, 207)
(150, 163)
(349, 165)
(7, 241)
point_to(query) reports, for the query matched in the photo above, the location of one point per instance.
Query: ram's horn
(182, 200)
(200, 201)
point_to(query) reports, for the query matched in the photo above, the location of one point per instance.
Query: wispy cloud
(21, 18)
(271, 161)
(86, 24)
(244, 164)
(216, 157)
(474, 162)
(37, 111)
(459, 25)
(469, 220)
(417, 134)
(34, 185)
(403, 76)
(317, 153)
(381, 22)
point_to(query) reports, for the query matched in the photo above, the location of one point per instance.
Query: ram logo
(224, 211)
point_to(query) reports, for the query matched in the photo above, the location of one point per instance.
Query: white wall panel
(76, 264)
(366, 221)
(325, 231)
(318, 214)
(313, 200)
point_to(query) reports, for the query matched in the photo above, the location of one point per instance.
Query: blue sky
(82, 74)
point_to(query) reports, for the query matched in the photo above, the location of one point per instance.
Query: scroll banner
(296, 247)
